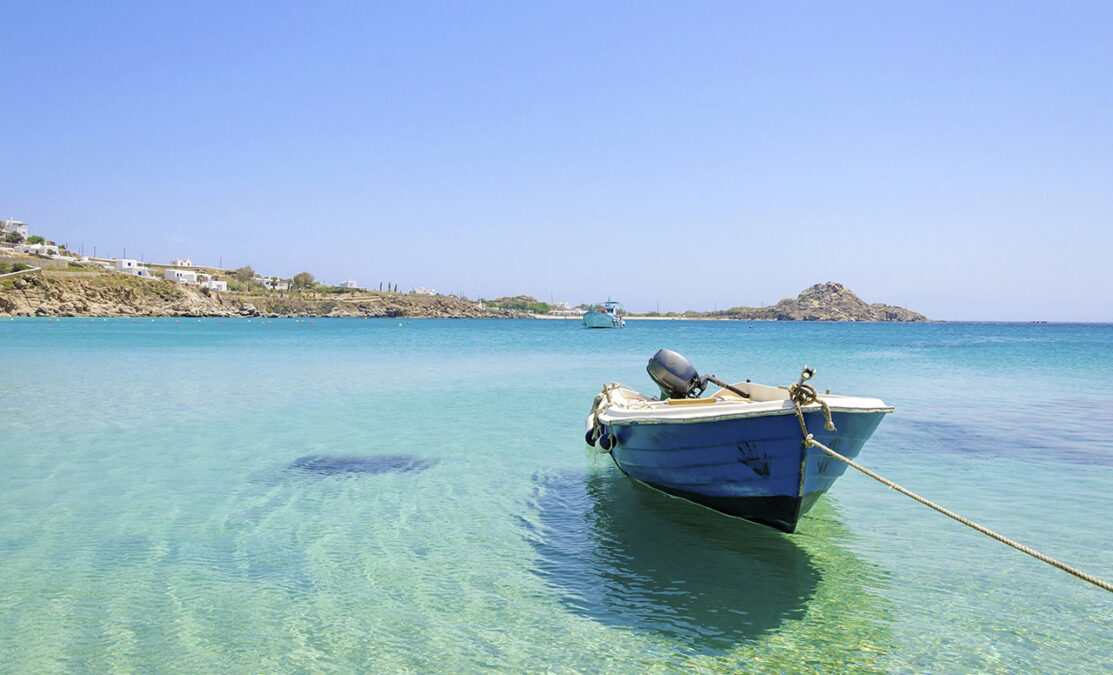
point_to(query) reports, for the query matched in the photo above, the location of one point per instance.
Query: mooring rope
(805, 394)
(810, 442)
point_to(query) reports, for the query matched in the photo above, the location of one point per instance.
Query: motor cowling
(674, 375)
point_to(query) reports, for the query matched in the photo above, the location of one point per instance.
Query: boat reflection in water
(627, 556)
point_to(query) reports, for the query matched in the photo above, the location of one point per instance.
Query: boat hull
(750, 467)
(602, 320)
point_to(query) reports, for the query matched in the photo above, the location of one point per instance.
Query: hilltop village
(39, 277)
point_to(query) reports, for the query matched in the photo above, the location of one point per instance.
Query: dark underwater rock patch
(370, 465)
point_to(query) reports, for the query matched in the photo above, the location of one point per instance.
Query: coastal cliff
(824, 302)
(51, 293)
(92, 294)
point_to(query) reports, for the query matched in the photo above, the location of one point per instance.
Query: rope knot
(805, 394)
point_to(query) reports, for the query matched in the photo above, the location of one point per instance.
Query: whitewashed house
(563, 309)
(273, 284)
(182, 262)
(180, 276)
(10, 225)
(349, 283)
(38, 249)
(215, 285)
(128, 266)
(422, 291)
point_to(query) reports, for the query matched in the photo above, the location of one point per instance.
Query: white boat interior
(617, 404)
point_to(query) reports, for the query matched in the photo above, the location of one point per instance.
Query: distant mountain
(824, 302)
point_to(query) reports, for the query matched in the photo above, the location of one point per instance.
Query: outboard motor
(675, 375)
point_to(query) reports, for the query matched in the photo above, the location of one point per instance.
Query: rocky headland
(823, 302)
(58, 293)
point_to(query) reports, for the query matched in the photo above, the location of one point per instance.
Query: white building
(128, 266)
(10, 225)
(215, 285)
(182, 262)
(38, 249)
(349, 283)
(273, 284)
(180, 276)
(422, 291)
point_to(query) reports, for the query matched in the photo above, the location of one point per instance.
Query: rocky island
(823, 302)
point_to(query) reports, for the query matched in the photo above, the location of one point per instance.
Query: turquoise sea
(382, 495)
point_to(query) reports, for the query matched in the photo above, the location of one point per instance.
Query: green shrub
(521, 303)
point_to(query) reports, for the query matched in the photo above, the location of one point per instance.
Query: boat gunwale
(626, 416)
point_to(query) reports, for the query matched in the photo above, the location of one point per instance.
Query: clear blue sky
(953, 157)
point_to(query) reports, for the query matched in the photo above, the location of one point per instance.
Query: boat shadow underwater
(627, 556)
(367, 465)
(319, 467)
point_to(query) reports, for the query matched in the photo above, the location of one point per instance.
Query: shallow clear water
(357, 495)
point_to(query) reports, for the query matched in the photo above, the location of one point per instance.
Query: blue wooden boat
(739, 451)
(605, 317)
